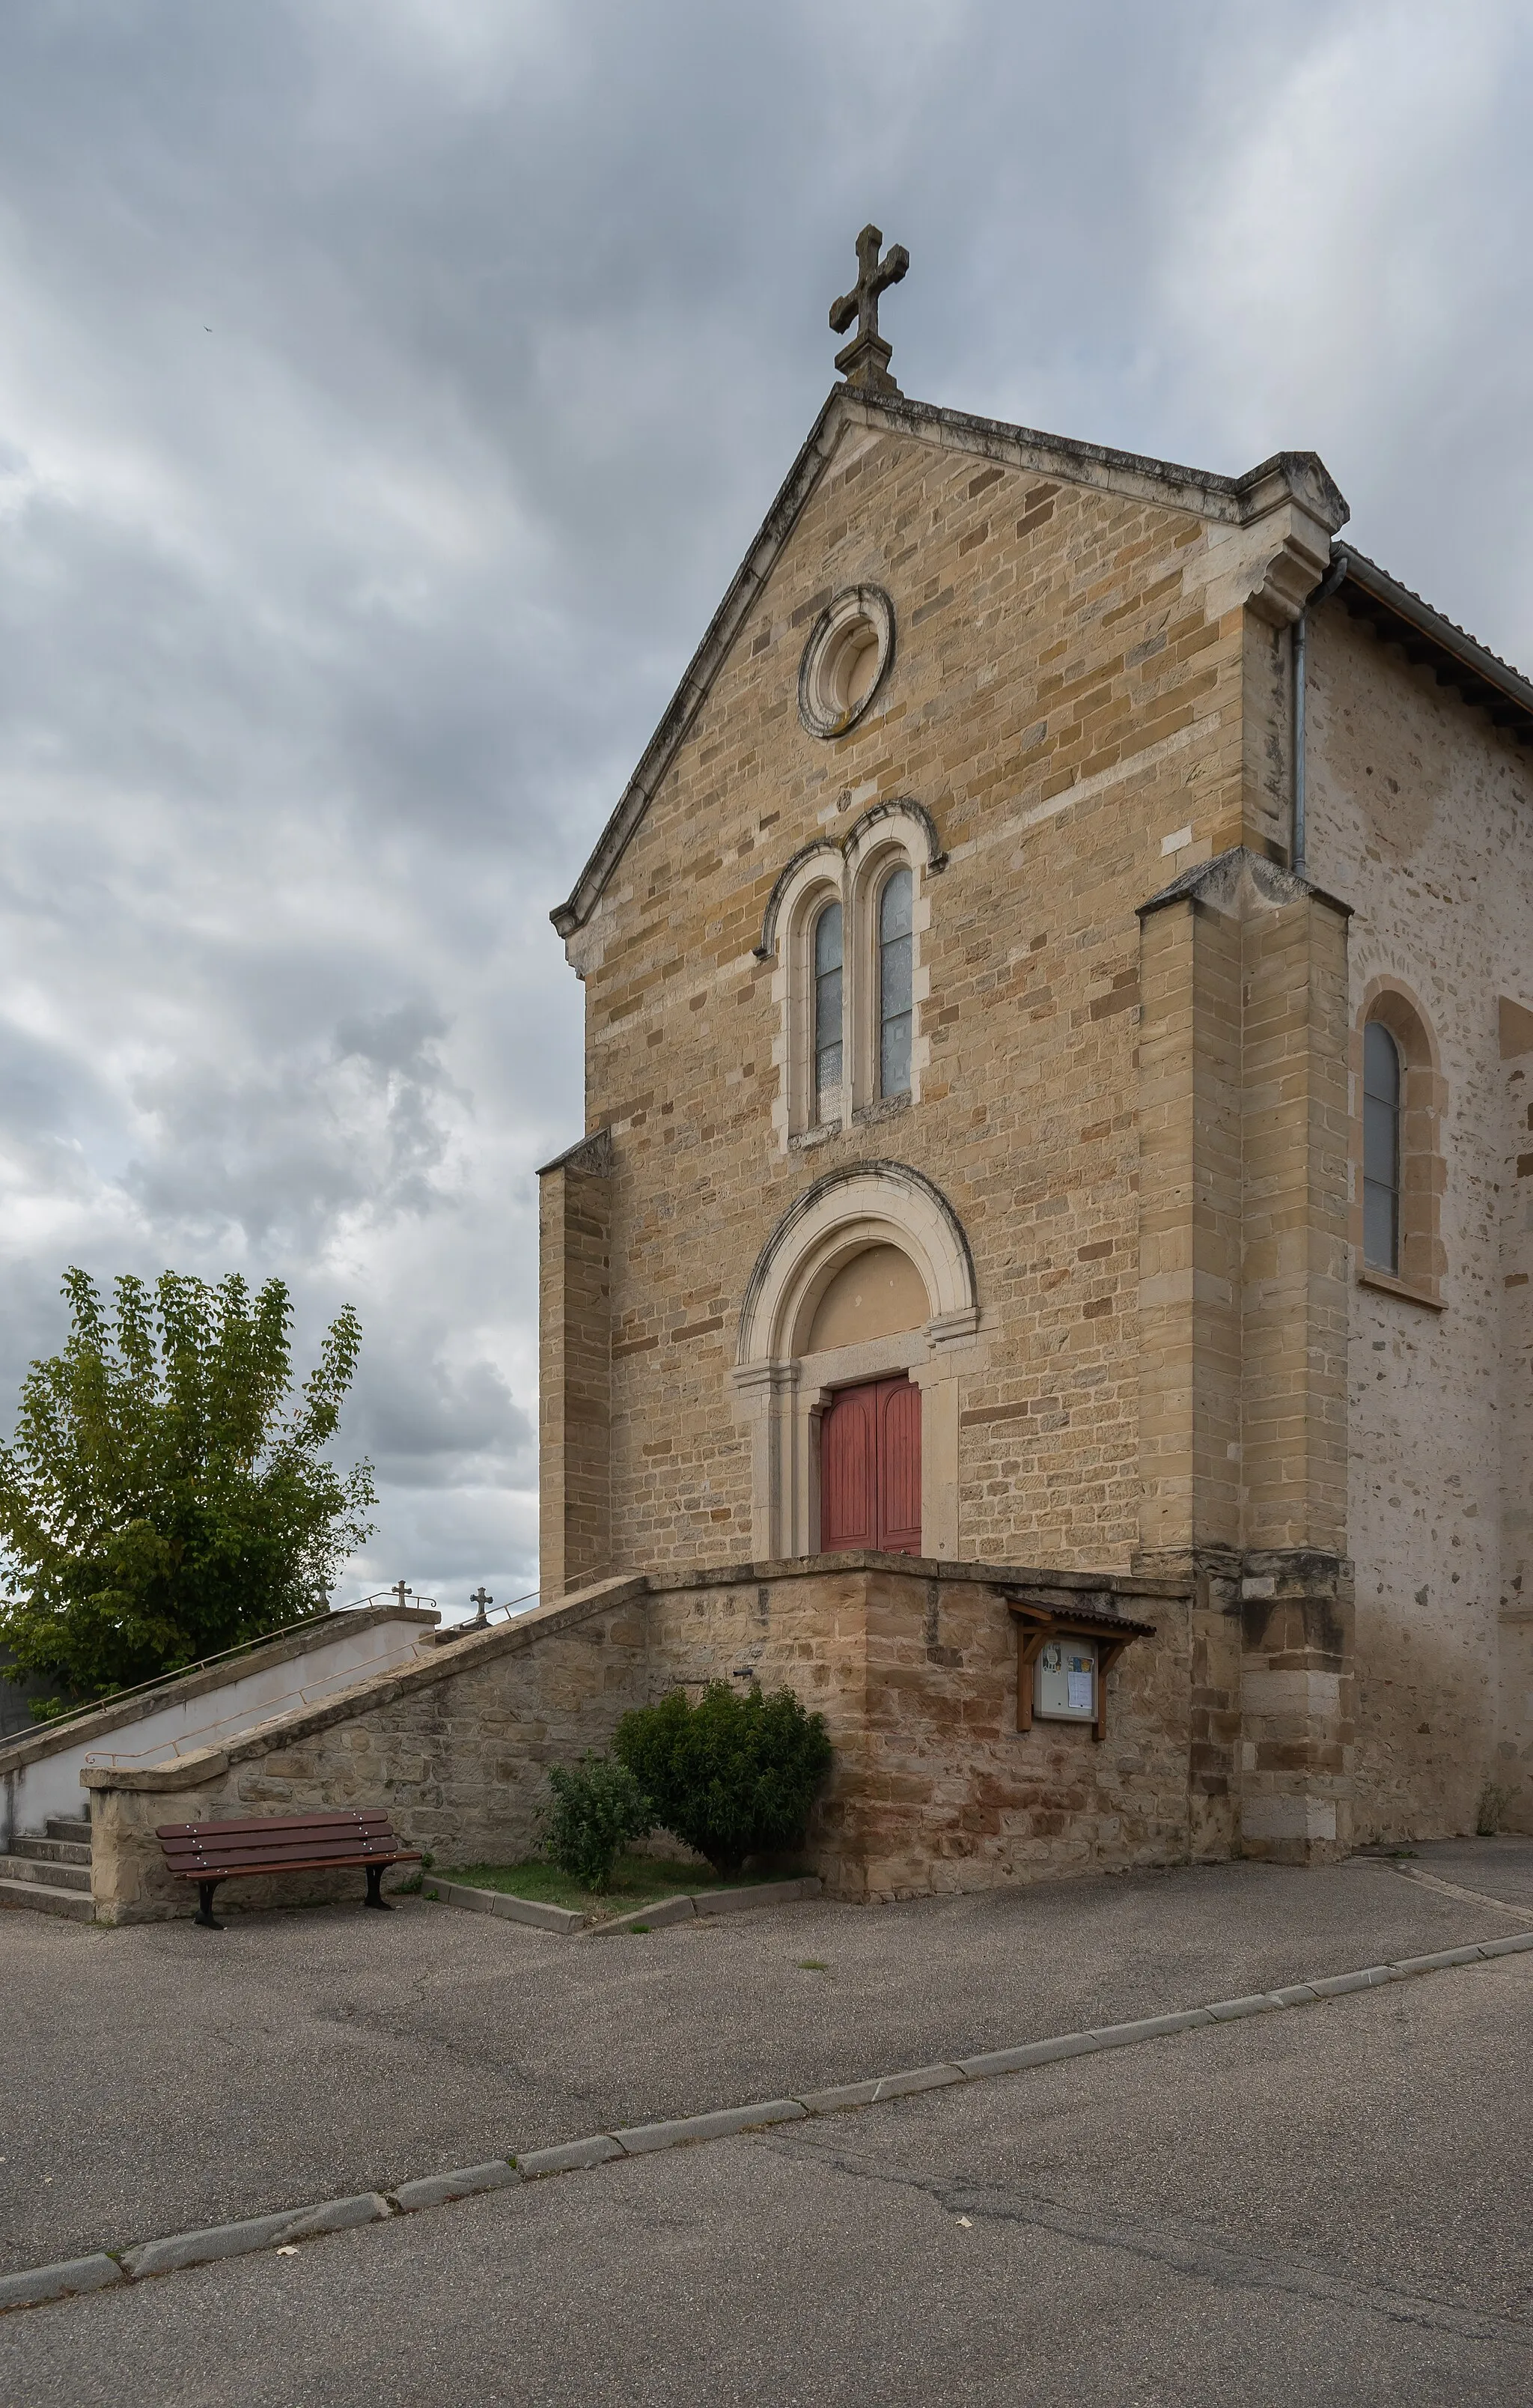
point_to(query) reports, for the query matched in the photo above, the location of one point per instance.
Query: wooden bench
(211, 1852)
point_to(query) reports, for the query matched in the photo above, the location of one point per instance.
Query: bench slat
(246, 1843)
(303, 1865)
(278, 1860)
(297, 1845)
(374, 1817)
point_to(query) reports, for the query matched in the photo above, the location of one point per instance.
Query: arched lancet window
(895, 921)
(1381, 1084)
(827, 1007)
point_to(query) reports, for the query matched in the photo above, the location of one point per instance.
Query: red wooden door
(870, 1469)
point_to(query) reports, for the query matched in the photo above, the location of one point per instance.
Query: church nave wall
(1420, 818)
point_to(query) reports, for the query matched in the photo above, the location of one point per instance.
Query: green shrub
(595, 1810)
(733, 1776)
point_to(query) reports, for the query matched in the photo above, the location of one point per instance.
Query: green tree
(165, 1495)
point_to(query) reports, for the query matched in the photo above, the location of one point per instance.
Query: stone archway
(806, 1328)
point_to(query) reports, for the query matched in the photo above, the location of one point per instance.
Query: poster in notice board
(1065, 1684)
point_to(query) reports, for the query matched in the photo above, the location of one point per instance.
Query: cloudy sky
(388, 389)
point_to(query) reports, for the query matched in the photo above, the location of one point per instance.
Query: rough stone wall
(1066, 700)
(1419, 817)
(935, 1788)
(915, 1668)
(457, 1750)
(1513, 1766)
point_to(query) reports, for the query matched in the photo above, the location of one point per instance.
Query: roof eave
(1398, 616)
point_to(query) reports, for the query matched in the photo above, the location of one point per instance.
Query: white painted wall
(174, 1727)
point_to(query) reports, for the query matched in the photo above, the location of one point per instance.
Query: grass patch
(636, 1880)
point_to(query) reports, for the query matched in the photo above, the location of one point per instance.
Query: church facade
(1058, 1175)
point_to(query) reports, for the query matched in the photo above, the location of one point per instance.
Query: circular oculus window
(848, 655)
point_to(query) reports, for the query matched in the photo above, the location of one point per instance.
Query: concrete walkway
(163, 2076)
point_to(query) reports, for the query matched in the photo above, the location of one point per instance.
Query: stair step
(68, 1827)
(75, 1905)
(41, 1873)
(52, 1852)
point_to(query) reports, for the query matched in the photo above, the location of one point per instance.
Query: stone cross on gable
(865, 362)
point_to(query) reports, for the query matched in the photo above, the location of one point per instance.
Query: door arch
(867, 1279)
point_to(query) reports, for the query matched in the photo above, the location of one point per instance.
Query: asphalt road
(162, 2077)
(1329, 2205)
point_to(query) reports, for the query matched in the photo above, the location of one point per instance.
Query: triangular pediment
(1295, 478)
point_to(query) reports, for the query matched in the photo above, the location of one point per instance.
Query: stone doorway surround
(780, 1389)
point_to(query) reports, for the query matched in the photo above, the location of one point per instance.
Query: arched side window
(1381, 1086)
(844, 925)
(896, 967)
(1399, 1171)
(828, 1025)
(887, 914)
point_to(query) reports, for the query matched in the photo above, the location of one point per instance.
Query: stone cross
(480, 1598)
(400, 1591)
(865, 362)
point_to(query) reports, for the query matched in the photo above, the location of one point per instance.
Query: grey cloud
(357, 1129)
(328, 637)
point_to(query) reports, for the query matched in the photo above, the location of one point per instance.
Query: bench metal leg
(205, 1907)
(375, 1889)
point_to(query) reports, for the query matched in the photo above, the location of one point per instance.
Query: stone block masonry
(575, 1241)
(915, 1666)
(1066, 690)
(458, 1748)
(1138, 1012)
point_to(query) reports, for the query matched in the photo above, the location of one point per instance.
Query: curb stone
(690, 1904)
(467, 2182)
(60, 2282)
(252, 2233)
(646, 1918)
(499, 1902)
(1153, 2026)
(637, 2140)
(570, 2157)
(682, 1908)
(1034, 2051)
(35, 2286)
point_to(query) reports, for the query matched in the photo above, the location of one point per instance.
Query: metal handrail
(240, 1647)
(304, 1693)
(487, 1606)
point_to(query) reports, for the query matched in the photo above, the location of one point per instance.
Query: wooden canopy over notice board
(1037, 1622)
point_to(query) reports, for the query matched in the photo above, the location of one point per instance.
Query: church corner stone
(574, 1402)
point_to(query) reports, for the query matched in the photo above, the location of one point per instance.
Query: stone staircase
(51, 1875)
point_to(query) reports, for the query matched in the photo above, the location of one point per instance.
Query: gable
(1291, 486)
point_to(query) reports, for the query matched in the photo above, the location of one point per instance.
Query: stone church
(1048, 1271)
(1046, 1274)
